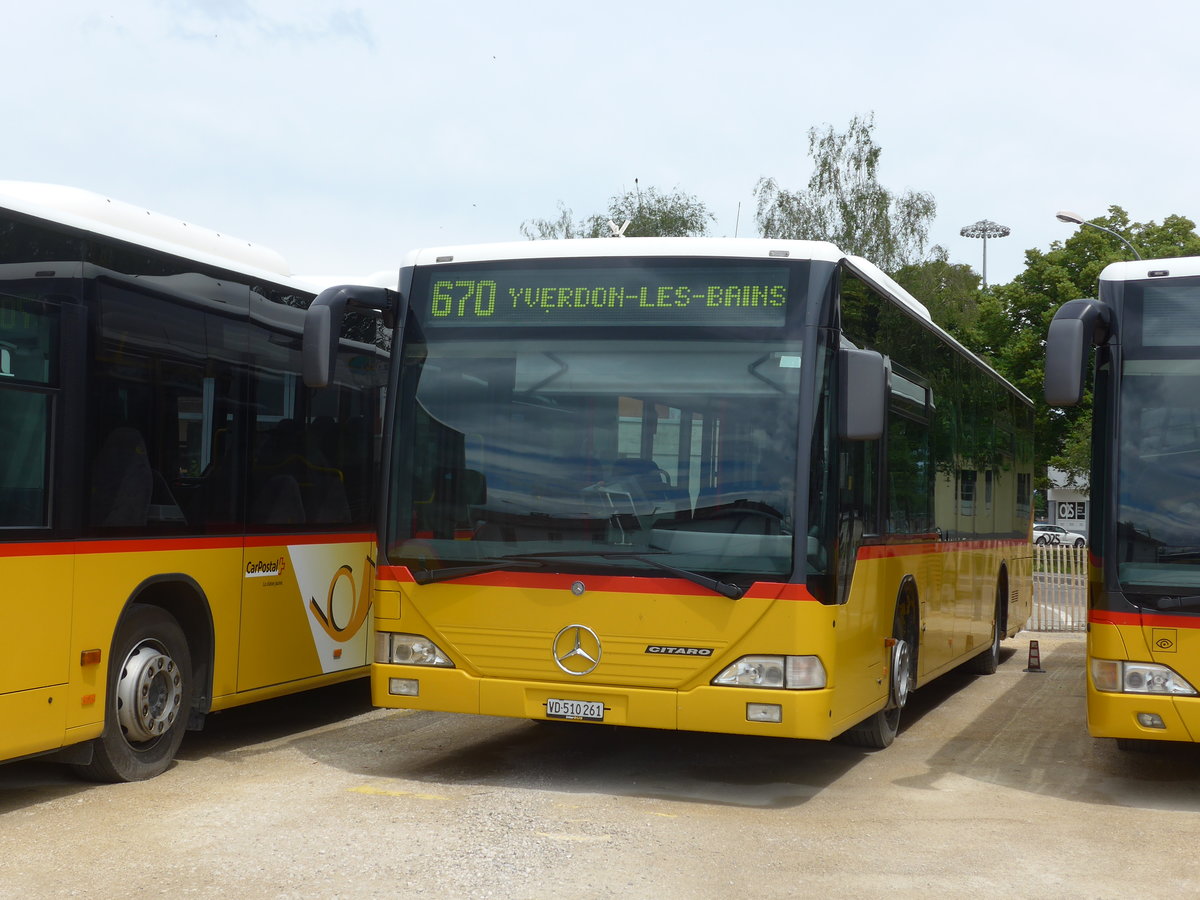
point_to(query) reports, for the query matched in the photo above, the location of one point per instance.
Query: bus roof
(97, 214)
(1136, 270)
(733, 248)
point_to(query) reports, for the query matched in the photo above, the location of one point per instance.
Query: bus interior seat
(122, 480)
(278, 502)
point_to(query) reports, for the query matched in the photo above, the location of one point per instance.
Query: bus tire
(147, 701)
(878, 731)
(987, 662)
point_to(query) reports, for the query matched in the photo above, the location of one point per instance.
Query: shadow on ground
(1033, 737)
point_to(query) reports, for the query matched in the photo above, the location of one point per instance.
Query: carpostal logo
(264, 568)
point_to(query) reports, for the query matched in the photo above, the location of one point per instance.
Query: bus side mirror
(1076, 328)
(863, 393)
(323, 326)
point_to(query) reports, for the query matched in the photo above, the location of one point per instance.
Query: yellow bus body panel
(1170, 641)
(287, 613)
(499, 630)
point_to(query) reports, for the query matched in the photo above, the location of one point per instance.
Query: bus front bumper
(725, 710)
(1142, 716)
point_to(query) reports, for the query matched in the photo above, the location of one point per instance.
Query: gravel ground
(993, 789)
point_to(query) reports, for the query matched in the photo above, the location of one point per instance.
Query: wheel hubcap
(901, 674)
(149, 693)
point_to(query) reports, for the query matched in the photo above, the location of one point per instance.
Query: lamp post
(985, 228)
(1066, 216)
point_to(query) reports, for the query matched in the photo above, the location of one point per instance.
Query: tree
(950, 291)
(846, 204)
(649, 212)
(1014, 318)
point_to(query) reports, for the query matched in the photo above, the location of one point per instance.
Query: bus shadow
(33, 781)
(1033, 738)
(257, 728)
(731, 770)
(714, 769)
(227, 736)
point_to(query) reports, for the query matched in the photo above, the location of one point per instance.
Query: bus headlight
(409, 650)
(793, 673)
(1117, 677)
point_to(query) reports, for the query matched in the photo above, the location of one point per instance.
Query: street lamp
(1066, 216)
(985, 228)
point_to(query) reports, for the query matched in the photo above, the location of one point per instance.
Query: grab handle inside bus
(1077, 327)
(863, 394)
(323, 325)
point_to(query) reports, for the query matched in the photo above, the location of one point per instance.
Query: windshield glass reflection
(600, 451)
(1158, 524)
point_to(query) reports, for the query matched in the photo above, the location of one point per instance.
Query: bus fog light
(764, 712)
(404, 687)
(410, 650)
(1151, 720)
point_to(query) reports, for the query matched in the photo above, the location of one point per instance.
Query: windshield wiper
(538, 560)
(724, 588)
(1192, 602)
(428, 576)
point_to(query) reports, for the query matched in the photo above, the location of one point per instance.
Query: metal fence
(1059, 589)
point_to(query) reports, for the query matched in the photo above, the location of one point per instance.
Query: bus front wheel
(148, 697)
(879, 730)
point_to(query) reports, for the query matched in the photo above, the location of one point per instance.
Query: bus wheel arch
(879, 730)
(158, 669)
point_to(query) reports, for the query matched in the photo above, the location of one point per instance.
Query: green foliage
(846, 204)
(649, 212)
(950, 291)
(1014, 318)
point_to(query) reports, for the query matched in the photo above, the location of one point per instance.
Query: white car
(1056, 534)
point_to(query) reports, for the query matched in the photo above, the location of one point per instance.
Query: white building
(1067, 502)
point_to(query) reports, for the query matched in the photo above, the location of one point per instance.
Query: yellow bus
(184, 526)
(740, 486)
(1143, 647)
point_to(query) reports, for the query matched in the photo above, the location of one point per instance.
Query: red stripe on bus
(150, 545)
(621, 584)
(888, 551)
(1153, 619)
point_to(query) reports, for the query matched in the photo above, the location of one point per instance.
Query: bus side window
(28, 370)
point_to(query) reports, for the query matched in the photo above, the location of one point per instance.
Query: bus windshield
(1159, 475)
(602, 446)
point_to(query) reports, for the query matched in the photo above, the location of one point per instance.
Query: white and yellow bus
(184, 526)
(742, 486)
(1143, 647)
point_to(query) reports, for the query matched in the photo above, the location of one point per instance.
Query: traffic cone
(1035, 659)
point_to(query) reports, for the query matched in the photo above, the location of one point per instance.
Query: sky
(342, 134)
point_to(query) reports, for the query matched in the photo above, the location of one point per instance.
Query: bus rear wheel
(148, 697)
(987, 662)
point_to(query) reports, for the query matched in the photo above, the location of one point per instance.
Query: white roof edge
(95, 213)
(1136, 270)
(739, 248)
(883, 281)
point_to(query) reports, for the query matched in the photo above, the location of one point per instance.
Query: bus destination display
(674, 295)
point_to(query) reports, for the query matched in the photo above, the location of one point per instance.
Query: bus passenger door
(305, 608)
(307, 576)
